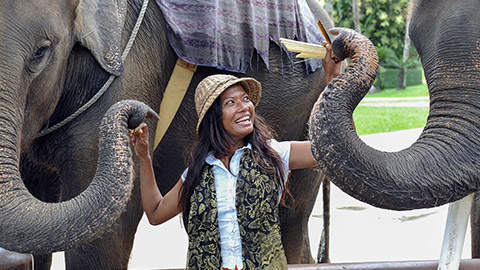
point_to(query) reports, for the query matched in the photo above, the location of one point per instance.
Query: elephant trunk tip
(137, 112)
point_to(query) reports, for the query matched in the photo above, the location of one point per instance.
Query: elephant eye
(39, 57)
(40, 53)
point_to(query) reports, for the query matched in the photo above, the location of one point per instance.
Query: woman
(235, 180)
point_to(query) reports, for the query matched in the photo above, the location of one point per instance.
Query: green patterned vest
(257, 210)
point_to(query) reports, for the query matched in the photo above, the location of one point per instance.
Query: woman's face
(238, 112)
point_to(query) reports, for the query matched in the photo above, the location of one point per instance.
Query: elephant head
(34, 53)
(443, 164)
(35, 41)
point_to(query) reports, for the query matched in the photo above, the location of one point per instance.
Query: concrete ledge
(467, 264)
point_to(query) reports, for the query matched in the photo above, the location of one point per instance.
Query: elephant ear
(98, 27)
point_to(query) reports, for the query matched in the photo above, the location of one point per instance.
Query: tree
(382, 21)
(356, 16)
(329, 7)
(402, 79)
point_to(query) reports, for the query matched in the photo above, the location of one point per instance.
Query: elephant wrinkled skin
(443, 165)
(54, 56)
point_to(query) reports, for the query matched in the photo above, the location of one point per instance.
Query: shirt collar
(212, 160)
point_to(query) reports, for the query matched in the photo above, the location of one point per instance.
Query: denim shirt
(225, 186)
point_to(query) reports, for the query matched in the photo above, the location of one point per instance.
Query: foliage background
(382, 21)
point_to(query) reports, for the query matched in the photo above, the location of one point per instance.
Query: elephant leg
(42, 262)
(475, 225)
(304, 186)
(323, 254)
(43, 182)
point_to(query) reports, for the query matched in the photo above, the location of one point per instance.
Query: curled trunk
(440, 167)
(32, 226)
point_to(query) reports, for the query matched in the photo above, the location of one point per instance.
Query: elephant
(443, 165)
(55, 55)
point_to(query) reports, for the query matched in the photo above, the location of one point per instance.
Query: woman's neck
(225, 159)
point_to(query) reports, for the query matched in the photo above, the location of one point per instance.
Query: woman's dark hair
(213, 137)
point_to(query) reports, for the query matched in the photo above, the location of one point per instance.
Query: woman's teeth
(245, 118)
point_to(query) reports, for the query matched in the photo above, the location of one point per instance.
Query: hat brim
(252, 87)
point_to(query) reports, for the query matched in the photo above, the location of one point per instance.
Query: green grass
(410, 91)
(369, 120)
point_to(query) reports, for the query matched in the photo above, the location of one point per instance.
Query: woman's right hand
(331, 65)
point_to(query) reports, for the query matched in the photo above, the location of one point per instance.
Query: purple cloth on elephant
(225, 34)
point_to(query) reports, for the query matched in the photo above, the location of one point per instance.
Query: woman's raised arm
(157, 207)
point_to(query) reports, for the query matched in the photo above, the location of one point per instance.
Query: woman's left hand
(139, 139)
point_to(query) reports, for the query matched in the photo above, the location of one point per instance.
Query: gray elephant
(54, 57)
(443, 165)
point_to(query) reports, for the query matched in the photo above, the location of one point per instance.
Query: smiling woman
(233, 165)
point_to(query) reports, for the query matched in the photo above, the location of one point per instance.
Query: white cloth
(225, 186)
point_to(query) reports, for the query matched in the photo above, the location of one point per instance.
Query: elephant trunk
(438, 168)
(32, 226)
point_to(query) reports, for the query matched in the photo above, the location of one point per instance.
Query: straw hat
(212, 86)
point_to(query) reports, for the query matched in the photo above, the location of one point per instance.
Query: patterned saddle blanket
(226, 33)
